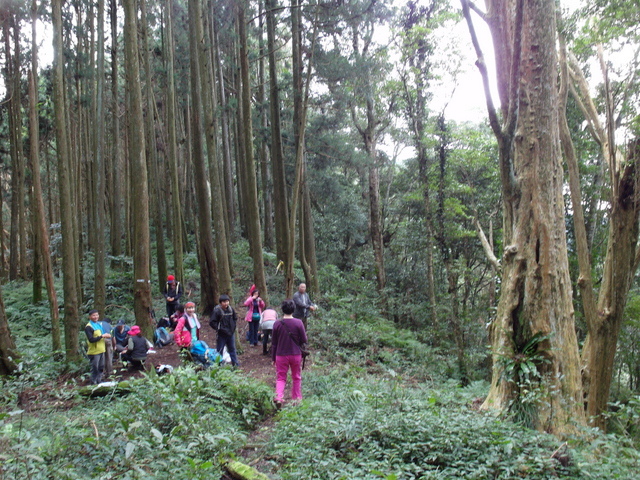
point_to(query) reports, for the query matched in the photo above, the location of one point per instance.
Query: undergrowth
(175, 426)
(367, 429)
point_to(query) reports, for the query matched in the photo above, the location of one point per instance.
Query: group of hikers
(287, 335)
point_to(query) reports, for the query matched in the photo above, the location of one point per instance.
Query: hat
(135, 330)
(171, 278)
(121, 321)
(252, 289)
(224, 298)
(189, 304)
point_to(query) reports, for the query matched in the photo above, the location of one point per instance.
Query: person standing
(172, 293)
(223, 320)
(303, 304)
(254, 305)
(288, 334)
(96, 346)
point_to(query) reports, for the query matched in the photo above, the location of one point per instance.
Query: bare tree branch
(493, 260)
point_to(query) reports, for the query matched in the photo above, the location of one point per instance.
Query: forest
(472, 246)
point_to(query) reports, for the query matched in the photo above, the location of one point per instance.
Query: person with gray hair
(304, 305)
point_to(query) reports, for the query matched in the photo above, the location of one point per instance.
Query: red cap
(171, 278)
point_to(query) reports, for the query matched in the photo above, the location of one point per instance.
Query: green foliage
(367, 429)
(523, 369)
(175, 426)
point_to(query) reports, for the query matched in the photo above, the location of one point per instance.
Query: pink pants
(282, 367)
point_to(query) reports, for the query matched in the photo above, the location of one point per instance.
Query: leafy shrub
(175, 426)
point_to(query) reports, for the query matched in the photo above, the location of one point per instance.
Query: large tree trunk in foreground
(534, 325)
(139, 185)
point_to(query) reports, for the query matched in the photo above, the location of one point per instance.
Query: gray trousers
(108, 358)
(97, 365)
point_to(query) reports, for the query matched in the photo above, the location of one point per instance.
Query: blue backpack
(204, 355)
(162, 337)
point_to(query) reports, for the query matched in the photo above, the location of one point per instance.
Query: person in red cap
(136, 351)
(172, 293)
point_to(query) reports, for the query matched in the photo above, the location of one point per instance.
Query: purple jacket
(281, 342)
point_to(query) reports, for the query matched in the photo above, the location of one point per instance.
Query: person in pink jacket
(254, 305)
(188, 327)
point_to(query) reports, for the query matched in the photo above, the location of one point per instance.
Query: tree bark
(115, 184)
(281, 214)
(226, 170)
(70, 287)
(207, 83)
(176, 209)
(40, 226)
(8, 352)
(252, 209)
(534, 320)
(99, 294)
(263, 160)
(139, 184)
(152, 152)
(15, 143)
(208, 266)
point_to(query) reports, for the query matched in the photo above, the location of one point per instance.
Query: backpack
(204, 355)
(162, 337)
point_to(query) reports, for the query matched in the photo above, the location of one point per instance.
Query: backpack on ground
(205, 356)
(162, 337)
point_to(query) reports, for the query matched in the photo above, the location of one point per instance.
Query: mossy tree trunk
(534, 320)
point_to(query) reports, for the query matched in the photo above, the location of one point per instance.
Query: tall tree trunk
(70, 288)
(534, 320)
(308, 247)
(20, 166)
(251, 198)
(15, 144)
(281, 214)
(99, 294)
(621, 263)
(115, 184)
(227, 170)
(265, 177)
(139, 191)
(152, 152)
(208, 266)
(40, 225)
(176, 210)
(207, 83)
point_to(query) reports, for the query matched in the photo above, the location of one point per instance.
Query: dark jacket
(137, 347)
(174, 291)
(224, 321)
